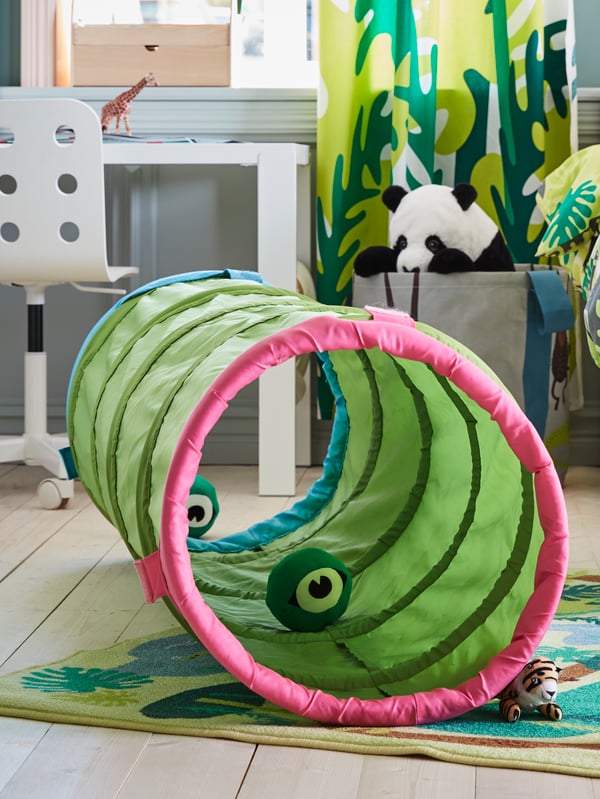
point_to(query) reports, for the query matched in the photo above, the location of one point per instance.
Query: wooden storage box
(178, 55)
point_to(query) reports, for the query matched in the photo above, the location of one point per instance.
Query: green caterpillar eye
(319, 591)
(200, 511)
(308, 590)
(202, 507)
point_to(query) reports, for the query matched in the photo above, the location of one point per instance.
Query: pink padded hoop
(397, 336)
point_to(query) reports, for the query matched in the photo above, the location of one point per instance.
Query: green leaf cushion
(569, 200)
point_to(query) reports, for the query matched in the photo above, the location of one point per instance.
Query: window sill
(261, 114)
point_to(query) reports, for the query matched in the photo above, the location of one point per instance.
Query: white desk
(283, 225)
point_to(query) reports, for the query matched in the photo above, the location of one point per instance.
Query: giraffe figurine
(118, 109)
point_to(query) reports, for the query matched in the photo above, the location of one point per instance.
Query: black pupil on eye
(196, 513)
(320, 588)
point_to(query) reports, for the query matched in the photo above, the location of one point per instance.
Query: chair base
(41, 450)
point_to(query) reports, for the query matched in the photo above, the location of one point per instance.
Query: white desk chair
(52, 230)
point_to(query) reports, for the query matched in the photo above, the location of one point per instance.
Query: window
(274, 42)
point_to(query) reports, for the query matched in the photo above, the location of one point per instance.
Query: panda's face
(428, 220)
(421, 251)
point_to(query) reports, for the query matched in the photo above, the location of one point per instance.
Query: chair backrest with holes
(52, 216)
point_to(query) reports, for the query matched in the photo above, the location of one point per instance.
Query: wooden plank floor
(67, 583)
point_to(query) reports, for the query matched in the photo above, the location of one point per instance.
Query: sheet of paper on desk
(125, 138)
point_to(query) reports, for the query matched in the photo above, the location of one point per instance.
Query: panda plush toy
(436, 229)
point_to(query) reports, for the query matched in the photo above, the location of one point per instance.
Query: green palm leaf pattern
(81, 681)
(572, 216)
(340, 243)
(431, 94)
(225, 699)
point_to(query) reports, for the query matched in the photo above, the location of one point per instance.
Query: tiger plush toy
(534, 688)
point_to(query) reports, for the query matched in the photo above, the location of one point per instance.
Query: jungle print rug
(168, 683)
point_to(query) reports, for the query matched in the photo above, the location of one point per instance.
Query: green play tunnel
(436, 493)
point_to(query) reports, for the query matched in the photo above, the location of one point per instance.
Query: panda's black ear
(465, 195)
(392, 196)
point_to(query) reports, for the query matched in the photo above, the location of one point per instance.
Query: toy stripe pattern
(533, 688)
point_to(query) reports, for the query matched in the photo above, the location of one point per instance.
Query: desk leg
(277, 202)
(304, 407)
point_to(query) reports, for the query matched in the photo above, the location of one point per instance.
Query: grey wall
(10, 26)
(586, 42)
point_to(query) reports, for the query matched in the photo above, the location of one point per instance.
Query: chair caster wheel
(54, 493)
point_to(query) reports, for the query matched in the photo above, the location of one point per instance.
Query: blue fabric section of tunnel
(317, 497)
(186, 277)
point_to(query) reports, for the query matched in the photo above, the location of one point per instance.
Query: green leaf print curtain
(437, 91)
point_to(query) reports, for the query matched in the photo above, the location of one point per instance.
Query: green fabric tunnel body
(436, 493)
